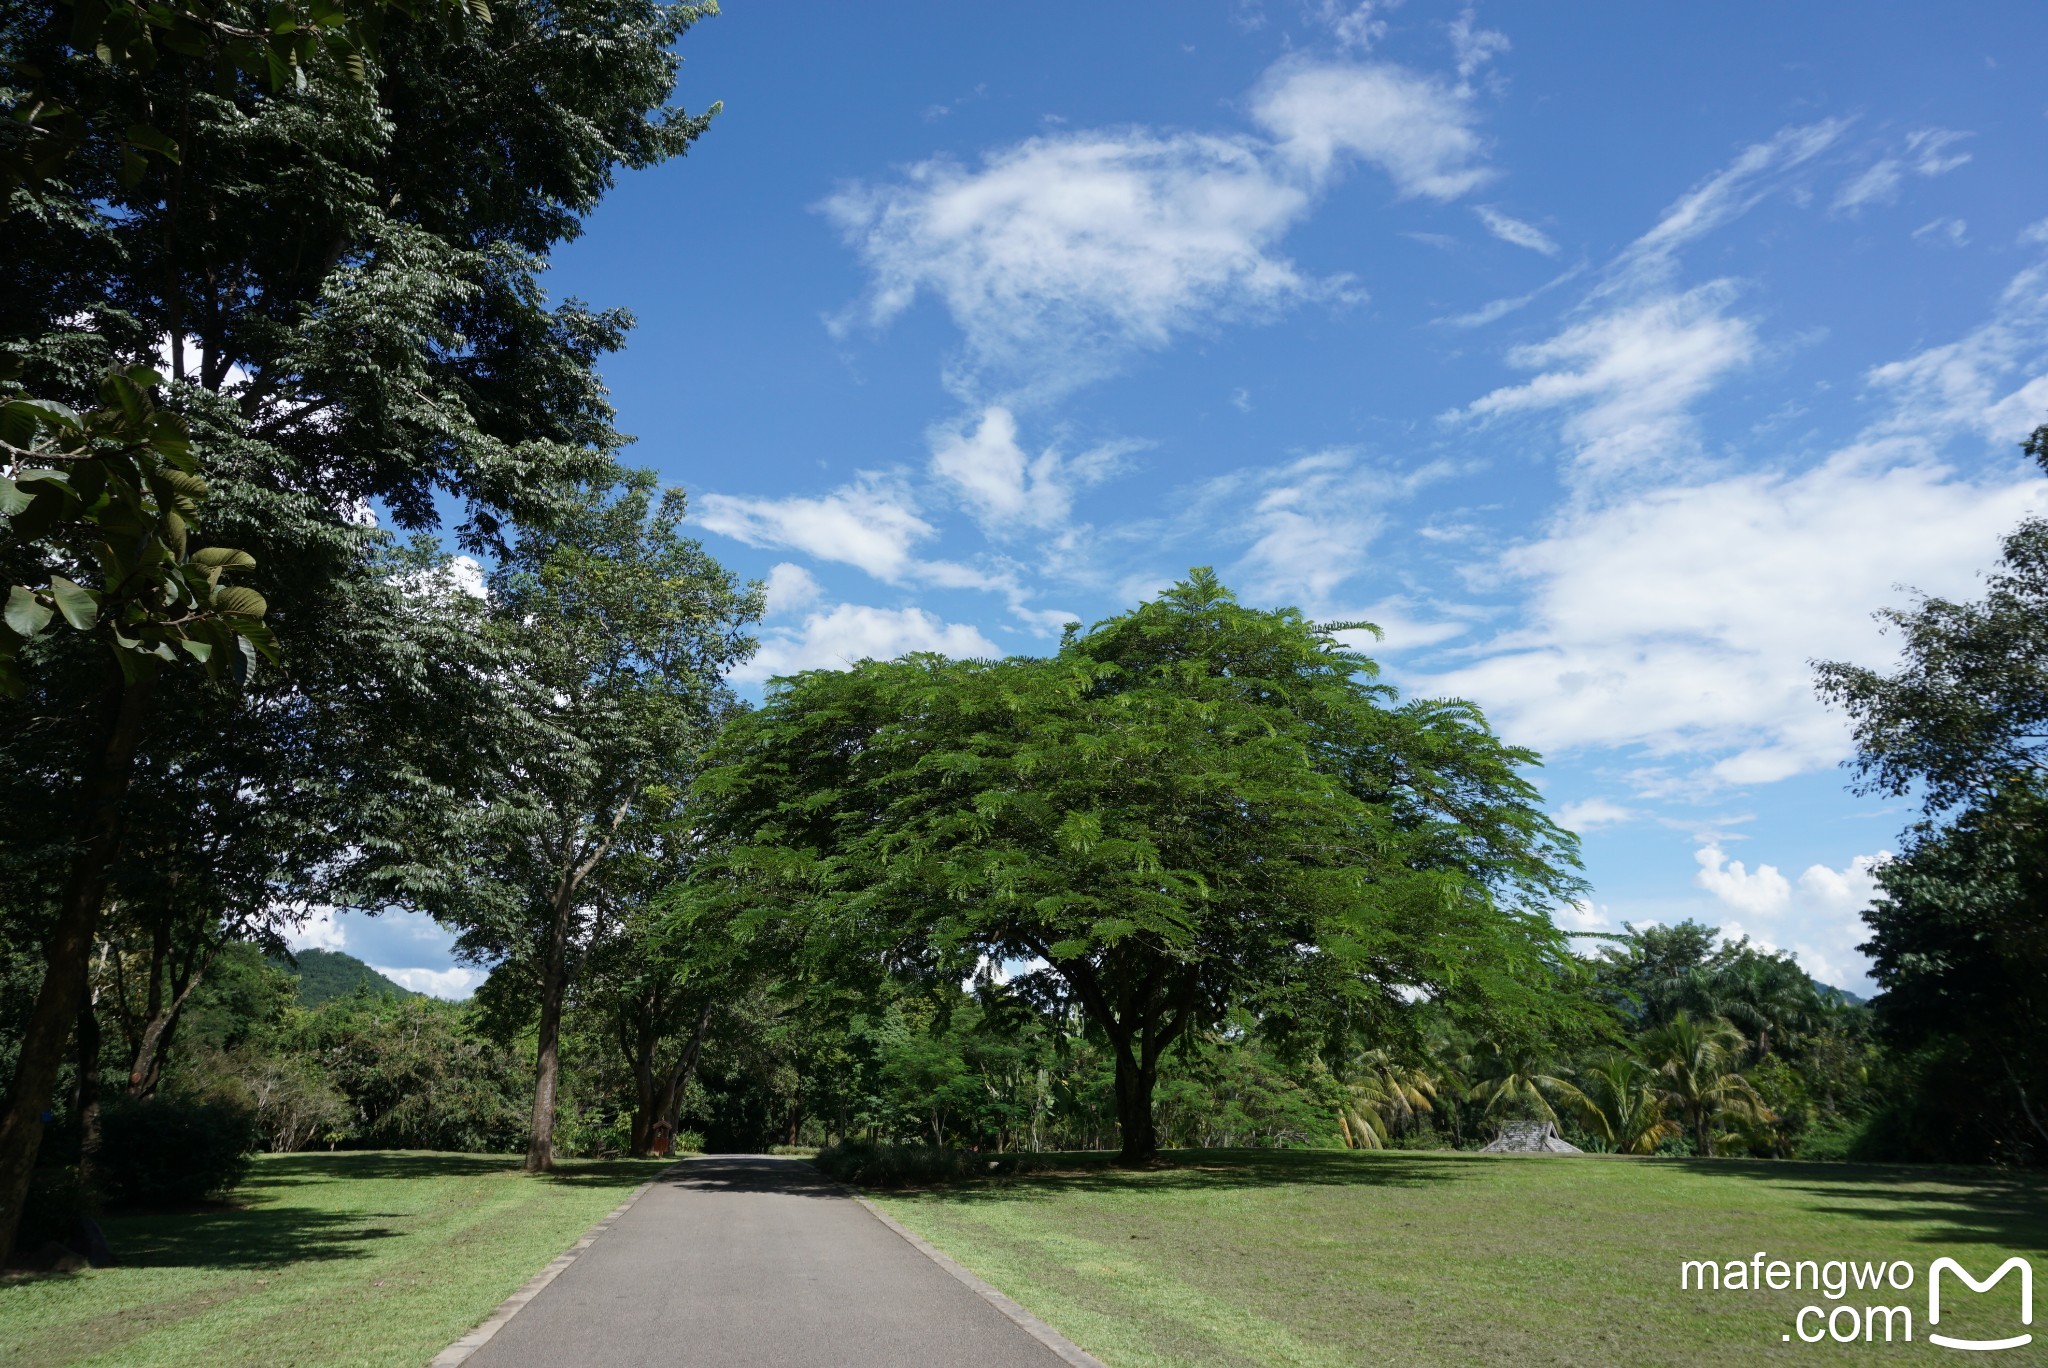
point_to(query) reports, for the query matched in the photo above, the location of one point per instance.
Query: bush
(865, 1164)
(55, 1204)
(163, 1151)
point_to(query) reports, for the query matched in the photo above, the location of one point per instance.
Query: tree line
(327, 586)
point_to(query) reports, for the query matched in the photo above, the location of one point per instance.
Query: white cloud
(1308, 522)
(851, 632)
(1005, 488)
(1722, 197)
(319, 931)
(1818, 919)
(1061, 252)
(1583, 914)
(1682, 620)
(791, 589)
(1590, 813)
(1514, 231)
(872, 524)
(1963, 385)
(1943, 232)
(1475, 46)
(1925, 153)
(1879, 184)
(2035, 234)
(1762, 893)
(1419, 132)
(1356, 26)
(1630, 375)
(452, 984)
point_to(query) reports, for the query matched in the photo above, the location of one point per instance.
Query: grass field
(374, 1258)
(1307, 1258)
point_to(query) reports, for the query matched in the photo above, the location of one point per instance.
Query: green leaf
(223, 558)
(153, 140)
(236, 601)
(26, 613)
(13, 498)
(80, 607)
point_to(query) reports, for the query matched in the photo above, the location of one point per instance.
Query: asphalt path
(739, 1260)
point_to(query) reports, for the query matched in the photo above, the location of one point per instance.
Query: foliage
(1192, 809)
(110, 497)
(324, 975)
(863, 1163)
(1696, 1080)
(167, 1151)
(1957, 940)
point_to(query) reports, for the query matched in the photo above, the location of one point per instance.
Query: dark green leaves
(116, 490)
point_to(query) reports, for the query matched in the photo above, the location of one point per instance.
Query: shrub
(164, 1151)
(56, 1201)
(865, 1164)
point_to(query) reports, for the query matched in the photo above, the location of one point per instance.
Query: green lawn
(1317, 1258)
(373, 1258)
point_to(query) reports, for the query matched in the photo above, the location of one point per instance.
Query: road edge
(1031, 1325)
(512, 1305)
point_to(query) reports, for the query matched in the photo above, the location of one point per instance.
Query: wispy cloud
(1925, 152)
(1059, 256)
(1008, 490)
(1629, 375)
(1515, 231)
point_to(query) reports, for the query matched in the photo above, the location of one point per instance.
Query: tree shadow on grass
(1964, 1205)
(286, 1170)
(1209, 1170)
(245, 1238)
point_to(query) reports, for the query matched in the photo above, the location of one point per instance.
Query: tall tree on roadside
(292, 220)
(615, 634)
(1193, 808)
(1959, 939)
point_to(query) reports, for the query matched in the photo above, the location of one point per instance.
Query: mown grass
(1307, 1258)
(344, 1259)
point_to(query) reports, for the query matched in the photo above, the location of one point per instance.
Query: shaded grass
(371, 1258)
(1327, 1258)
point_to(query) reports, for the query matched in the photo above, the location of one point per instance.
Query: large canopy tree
(1193, 808)
(333, 248)
(612, 634)
(1959, 940)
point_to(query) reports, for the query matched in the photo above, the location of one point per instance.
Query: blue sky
(1616, 359)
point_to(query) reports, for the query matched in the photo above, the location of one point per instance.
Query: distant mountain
(325, 975)
(1844, 994)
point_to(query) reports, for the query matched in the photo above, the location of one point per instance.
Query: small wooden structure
(661, 1140)
(1531, 1137)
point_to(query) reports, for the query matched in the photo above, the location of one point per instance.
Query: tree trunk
(1134, 1080)
(679, 1077)
(146, 1070)
(644, 1102)
(540, 1148)
(86, 1096)
(68, 957)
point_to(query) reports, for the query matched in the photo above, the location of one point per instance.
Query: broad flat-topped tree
(1192, 808)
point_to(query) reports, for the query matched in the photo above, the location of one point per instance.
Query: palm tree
(1513, 1081)
(1622, 1107)
(1382, 1097)
(1695, 1063)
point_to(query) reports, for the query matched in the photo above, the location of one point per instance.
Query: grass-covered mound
(368, 1258)
(1344, 1258)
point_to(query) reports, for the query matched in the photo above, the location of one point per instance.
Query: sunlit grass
(373, 1258)
(1312, 1258)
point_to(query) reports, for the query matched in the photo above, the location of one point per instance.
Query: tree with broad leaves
(614, 633)
(1959, 940)
(1192, 809)
(290, 218)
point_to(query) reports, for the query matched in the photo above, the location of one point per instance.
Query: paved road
(738, 1261)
